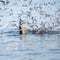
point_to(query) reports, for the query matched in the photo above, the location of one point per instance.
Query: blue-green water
(29, 47)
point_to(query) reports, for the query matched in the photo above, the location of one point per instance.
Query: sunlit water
(29, 47)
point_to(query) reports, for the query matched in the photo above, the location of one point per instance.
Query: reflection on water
(29, 47)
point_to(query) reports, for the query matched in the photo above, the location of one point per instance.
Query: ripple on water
(29, 46)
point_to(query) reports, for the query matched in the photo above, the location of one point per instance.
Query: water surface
(29, 47)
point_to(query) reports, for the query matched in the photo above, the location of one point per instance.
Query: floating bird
(45, 4)
(0, 8)
(0, 19)
(31, 9)
(24, 5)
(28, 13)
(3, 2)
(13, 21)
(48, 2)
(5, 9)
(35, 7)
(58, 10)
(1, 16)
(15, 3)
(40, 7)
(30, 2)
(7, 2)
(54, 2)
(47, 15)
(25, 0)
(11, 12)
(18, 0)
(51, 3)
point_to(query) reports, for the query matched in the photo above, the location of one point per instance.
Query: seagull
(30, 2)
(45, 4)
(0, 19)
(24, 5)
(31, 9)
(25, 0)
(3, 2)
(40, 7)
(55, 3)
(7, 1)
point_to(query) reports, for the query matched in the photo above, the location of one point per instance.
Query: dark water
(29, 47)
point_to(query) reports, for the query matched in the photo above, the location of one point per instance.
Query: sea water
(14, 46)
